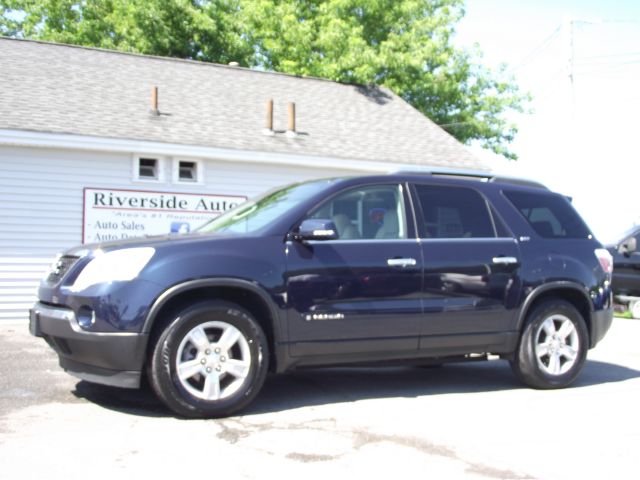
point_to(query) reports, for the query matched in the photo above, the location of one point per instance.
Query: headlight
(119, 265)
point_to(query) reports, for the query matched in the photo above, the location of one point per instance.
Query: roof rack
(473, 174)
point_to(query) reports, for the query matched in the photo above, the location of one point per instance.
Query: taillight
(605, 259)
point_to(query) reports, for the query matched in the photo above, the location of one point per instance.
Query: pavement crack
(232, 434)
(363, 438)
(233, 431)
(309, 458)
(498, 473)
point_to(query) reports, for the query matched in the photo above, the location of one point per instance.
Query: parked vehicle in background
(626, 272)
(420, 268)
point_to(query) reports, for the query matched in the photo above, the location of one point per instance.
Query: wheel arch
(245, 294)
(571, 292)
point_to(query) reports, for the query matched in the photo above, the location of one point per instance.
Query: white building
(80, 125)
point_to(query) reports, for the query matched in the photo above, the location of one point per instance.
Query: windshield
(256, 214)
(633, 231)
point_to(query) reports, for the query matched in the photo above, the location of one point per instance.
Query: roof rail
(517, 181)
(473, 174)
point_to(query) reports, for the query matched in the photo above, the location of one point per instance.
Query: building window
(187, 171)
(148, 169)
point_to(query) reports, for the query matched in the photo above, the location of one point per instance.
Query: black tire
(543, 360)
(195, 394)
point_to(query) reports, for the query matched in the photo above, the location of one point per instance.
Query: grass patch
(625, 314)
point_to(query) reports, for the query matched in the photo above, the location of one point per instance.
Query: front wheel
(210, 361)
(553, 346)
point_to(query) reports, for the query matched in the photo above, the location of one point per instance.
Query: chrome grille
(60, 267)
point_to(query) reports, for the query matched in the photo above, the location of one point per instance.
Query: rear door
(471, 267)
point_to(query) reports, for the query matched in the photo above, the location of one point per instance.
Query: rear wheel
(553, 346)
(210, 361)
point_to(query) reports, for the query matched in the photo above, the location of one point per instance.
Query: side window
(550, 215)
(454, 212)
(371, 212)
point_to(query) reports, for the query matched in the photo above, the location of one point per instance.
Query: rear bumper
(108, 358)
(600, 323)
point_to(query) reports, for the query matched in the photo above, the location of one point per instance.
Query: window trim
(175, 171)
(135, 170)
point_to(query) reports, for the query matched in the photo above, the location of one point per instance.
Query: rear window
(550, 215)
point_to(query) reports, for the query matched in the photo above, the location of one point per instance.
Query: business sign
(111, 214)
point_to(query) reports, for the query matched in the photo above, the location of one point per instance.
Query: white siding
(41, 204)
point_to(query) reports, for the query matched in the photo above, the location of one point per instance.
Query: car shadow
(306, 388)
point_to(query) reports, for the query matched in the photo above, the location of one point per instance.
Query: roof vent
(154, 101)
(291, 128)
(268, 124)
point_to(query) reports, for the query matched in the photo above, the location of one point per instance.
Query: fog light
(86, 317)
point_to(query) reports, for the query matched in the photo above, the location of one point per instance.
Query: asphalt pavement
(458, 421)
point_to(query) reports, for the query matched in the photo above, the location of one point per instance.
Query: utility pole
(568, 29)
(568, 34)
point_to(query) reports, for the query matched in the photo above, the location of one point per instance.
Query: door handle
(402, 262)
(505, 260)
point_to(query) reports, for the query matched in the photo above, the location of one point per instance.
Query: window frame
(199, 171)
(419, 214)
(136, 168)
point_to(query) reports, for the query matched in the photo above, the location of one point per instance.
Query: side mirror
(627, 247)
(317, 229)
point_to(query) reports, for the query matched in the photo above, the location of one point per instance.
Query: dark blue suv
(422, 268)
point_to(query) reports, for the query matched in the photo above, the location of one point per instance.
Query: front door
(361, 292)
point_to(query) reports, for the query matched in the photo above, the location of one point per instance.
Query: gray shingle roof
(65, 89)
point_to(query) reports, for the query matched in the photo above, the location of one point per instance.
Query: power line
(527, 59)
(626, 54)
(611, 69)
(455, 124)
(621, 20)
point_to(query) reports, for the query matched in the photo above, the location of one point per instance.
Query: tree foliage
(206, 30)
(405, 45)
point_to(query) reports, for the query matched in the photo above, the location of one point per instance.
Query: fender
(214, 282)
(562, 284)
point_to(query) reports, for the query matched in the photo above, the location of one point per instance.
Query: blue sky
(581, 138)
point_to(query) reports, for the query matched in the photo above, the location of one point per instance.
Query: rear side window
(454, 212)
(550, 215)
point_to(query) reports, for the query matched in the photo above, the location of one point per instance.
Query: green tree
(202, 30)
(405, 45)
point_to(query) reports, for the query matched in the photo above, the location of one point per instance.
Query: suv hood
(148, 241)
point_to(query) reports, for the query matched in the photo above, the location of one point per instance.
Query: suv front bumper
(108, 358)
